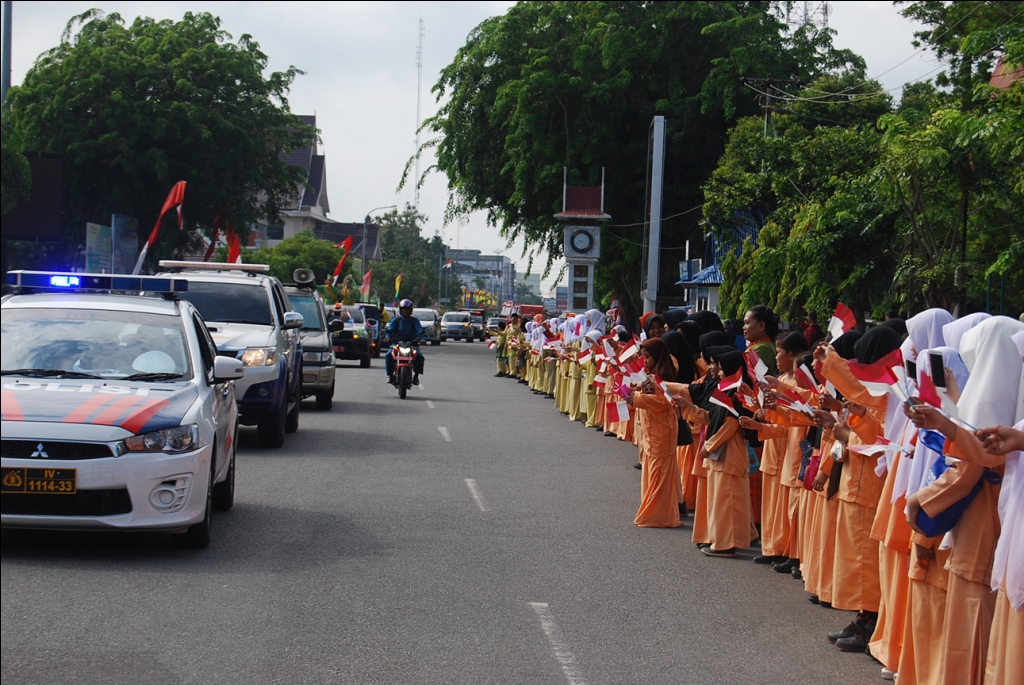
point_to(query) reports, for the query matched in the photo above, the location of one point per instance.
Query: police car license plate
(38, 481)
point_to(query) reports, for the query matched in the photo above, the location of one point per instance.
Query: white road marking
(559, 647)
(445, 434)
(431, 404)
(475, 492)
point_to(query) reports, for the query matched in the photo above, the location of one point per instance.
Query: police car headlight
(177, 439)
(259, 356)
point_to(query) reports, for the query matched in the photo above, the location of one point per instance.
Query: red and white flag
(234, 248)
(842, 321)
(491, 344)
(882, 447)
(731, 382)
(928, 392)
(629, 352)
(805, 378)
(664, 387)
(616, 412)
(755, 365)
(599, 381)
(723, 400)
(175, 199)
(881, 377)
(584, 358)
(364, 289)
(212, 246)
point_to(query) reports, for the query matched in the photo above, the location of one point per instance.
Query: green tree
(575, 84)
(15, 175)
(136, 108)
(302, 251)
(418, 259)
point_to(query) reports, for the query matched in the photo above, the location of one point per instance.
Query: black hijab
(713, 339)
(674, 317)
(680, 350)
(708, 321)
(845, 343)
(876, 343)
(898, 325)
(692, 330)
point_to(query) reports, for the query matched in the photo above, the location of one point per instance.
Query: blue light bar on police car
(72, 282)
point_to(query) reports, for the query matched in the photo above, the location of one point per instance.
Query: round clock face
(582, 241)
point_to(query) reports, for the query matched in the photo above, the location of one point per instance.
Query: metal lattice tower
(803, 13)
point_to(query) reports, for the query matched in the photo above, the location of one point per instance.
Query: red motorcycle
(404, 354)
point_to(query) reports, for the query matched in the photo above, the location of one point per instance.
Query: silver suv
(250, 318)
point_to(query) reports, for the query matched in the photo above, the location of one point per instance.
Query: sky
(361, 81)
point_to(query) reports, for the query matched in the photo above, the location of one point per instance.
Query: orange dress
(659, 480)
(855, 583)
(775, 530)
(818, 567)
(924, 619)
(970, 603)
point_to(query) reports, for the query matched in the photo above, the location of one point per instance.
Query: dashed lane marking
(445, 434)
(431, 404)
(474, 490)
(559, 647)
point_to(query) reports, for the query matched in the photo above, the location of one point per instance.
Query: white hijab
(1009, 557)
(914, 477)
(596, 325)
(925, 329)
(954, 331)
(994, 395)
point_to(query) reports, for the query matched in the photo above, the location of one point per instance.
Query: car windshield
(230, 302)
(477, 319)
(310, 310)
(456, 318)
(356, 313)
(425, 315)
(97, 343)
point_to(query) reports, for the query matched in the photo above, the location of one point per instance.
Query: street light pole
(366, 222)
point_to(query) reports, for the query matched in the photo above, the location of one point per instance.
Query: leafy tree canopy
(575, 84)
(136, 108)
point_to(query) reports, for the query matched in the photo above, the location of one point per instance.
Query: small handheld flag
(616, 412)
(723, 400)
(842, 321)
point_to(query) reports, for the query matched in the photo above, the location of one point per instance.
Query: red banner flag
(234, 248)
(175, 199)
(345, 245)
(364, 289)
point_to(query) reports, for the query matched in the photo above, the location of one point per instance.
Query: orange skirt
(700, 534)
(887, 641)
(688, 482)
(659, 492)
(969, 613)
(729, 523)
(1005, 663)
(774, 518)
(922, 633)
(855, 573)
(822, 533)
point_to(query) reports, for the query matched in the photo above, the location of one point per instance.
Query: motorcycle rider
(404, 328)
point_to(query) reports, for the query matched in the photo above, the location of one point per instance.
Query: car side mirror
(227, 369)
(293, 320)
(335, 325)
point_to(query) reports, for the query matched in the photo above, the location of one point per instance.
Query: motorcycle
(404, 354)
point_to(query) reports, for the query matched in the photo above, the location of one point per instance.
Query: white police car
(117, 412)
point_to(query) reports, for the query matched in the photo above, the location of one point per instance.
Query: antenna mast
(419, 83)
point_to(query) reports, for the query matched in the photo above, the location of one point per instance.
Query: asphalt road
(468, 534)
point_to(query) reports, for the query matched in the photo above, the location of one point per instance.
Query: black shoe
(765, 560)
(825, 605)
(726, 553)
(499, 375)
(797, 573)
(813, 599)
(849, 631)
(857, 642)
(391, 380)
(638, 466)
(683, 511)
(416, 379)
(786, 566)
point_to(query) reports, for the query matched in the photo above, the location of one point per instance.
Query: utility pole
(657, 142)
(5, 80)
(419, 84)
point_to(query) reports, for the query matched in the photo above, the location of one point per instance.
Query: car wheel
(291, 423)
(404, 381)
(270, 432)
(469, 338)
(198, 536)
(435, 343)
(325, 398)
(364, 363)
(444, 339)
(224, 492)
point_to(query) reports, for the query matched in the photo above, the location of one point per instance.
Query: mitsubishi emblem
(40, 452)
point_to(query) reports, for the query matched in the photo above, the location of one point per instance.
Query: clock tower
(582, 212)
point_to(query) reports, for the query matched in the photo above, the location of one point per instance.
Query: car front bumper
(116, 493)
(350, 348)
(317, 378)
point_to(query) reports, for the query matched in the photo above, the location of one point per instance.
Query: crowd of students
(887, 487)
